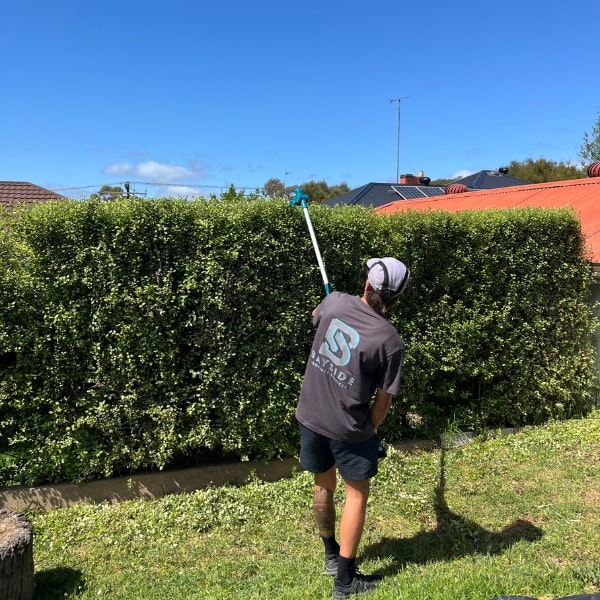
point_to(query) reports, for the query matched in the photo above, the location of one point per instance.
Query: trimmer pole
(301, 199)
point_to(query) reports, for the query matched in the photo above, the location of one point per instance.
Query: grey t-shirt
(355, 351)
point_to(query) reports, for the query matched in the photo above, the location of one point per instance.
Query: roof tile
(18, 193)
(582, 195)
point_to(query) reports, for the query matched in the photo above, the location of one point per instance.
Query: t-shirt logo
(340, 340)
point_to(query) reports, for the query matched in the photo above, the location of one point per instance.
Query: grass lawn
(517, 514)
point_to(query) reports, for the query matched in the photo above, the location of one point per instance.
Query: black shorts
(356, 461)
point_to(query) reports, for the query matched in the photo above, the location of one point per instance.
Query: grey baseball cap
(387, 274)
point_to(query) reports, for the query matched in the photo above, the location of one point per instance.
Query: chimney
(409, 179)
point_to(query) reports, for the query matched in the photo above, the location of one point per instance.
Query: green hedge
(499, 324)
(142, 334)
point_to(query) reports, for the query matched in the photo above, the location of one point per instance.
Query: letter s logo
(340, 340)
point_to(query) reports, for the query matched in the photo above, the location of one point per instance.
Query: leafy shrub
(498, 323)
(142, 334)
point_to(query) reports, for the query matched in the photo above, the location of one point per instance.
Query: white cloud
(179, 191)
(119, 169)
(150, 170)
(154, 170)
(460, 174)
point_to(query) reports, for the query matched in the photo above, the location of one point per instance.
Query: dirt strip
(147, 486)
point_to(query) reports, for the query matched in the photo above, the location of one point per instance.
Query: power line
(194, 185)
(157, 184)
(83, 187)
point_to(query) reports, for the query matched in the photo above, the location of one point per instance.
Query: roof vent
(503, 170)
(456, 188)
(594, 169)
(424, 180)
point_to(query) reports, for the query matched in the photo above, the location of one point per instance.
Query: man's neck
(364, 299)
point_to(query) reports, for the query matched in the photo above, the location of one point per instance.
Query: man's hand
(380, 408)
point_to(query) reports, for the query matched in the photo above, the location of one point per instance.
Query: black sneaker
(361, 585)
(331, 564)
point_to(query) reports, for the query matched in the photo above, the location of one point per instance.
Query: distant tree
(338, 190)
(274, 188)
(590, 149)
(543, 170)
(317, 191)
(108, 192)
(233, 194)
(441, 182)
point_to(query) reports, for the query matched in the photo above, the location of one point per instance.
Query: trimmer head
(299, 198)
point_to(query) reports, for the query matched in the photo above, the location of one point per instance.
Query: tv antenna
(399, 101)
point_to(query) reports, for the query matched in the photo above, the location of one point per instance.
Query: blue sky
(187, 97)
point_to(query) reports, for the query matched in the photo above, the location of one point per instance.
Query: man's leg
(349, 581)
(323, 505)
(353, 516)
(324, 511)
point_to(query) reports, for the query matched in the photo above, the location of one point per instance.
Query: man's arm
(380, 408)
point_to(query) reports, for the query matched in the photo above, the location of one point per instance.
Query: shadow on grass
(53, 584)
(454, 536)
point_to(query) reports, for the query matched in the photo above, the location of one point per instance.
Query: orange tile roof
(582, 195)
(17, 193)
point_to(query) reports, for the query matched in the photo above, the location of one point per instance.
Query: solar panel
(412, 192)
(431, 192)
